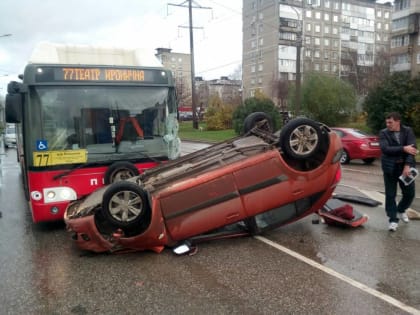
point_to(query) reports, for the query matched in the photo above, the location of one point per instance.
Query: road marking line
(339, 276)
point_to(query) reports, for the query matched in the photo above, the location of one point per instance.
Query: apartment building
(180, 64)
(284, 37)
(229, 91)
(405, 37)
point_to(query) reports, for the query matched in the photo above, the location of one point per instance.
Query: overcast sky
(126, 23)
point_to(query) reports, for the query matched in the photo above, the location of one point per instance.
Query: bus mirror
(13, 108)
(14, 87)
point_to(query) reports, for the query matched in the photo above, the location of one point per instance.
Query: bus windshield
(112, 122)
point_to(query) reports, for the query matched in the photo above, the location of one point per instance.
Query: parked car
(243, 186)
(9, 136)
(358, 144)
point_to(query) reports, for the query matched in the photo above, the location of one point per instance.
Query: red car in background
(358, 144)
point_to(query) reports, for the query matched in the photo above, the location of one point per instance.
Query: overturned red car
(243, 186)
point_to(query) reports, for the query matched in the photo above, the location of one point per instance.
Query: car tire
(301, 138)
(252, 119)
(125, 205)
(345, 158)
(120, 171)
(368, 161)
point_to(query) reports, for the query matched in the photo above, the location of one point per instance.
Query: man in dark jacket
(398, 146)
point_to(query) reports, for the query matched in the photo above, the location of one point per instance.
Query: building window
(260, 67)
(335, 43)
(401, 5)
(317, 53)
(326, 29)
(287, 36)
(378, 13)
(335, 18)
(326, 17)
(327, 3)
(379, 25)
(260, 15)
(326, 55)
(308, 27)
(326, 67)
(334, 55)
(386, 14)
(318, 15)
(252, 69)
(308, 14)
(316, 66)
(317, 28)
(261, 41)
(308, 40)
(253, 44)
(400, 41)
(260, 80)
(334, 68)
(335, 30)
(326, 42)
(317, 41)
(308, 53)
(386, 25)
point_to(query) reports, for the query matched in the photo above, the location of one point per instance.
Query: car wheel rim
(303, 140)
(125, 206)
(343, 157)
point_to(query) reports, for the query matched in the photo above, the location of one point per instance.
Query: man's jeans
(408, 193)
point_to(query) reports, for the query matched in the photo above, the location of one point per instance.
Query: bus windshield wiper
(101, 163)
(75, 167)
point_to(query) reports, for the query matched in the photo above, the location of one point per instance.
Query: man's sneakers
(393, 226)
(403, 216)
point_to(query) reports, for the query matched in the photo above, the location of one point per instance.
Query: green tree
(258, 103)
(398, 92)
(219, 118)
(326, 99)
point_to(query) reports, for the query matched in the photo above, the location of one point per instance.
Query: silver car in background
(10, 136)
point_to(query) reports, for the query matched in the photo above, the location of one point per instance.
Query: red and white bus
(86, 117)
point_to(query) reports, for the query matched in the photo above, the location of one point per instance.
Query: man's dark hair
(394, 115)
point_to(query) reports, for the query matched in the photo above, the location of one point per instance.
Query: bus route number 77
(41, 159)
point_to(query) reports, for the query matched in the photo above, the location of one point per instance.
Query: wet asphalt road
(306, 269)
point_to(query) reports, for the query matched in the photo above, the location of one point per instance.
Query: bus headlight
(56, 194)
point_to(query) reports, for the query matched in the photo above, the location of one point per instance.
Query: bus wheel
(120, 171)
(254, 119)
(125, 205)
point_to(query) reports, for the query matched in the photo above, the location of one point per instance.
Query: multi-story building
(180, 64)
(336, 37)
(229, 91)
(405, 40)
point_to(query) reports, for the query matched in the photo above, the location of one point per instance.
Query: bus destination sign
(100, 74)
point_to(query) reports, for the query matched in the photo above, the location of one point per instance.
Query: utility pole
(193, 94)
(298, 74)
